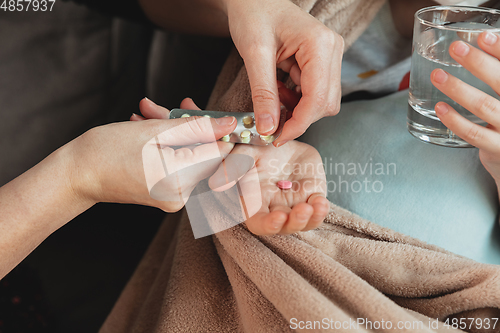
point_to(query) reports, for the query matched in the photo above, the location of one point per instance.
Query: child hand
(486, 67)
(301, 208)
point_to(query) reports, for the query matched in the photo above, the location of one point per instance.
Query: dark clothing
(127, 9)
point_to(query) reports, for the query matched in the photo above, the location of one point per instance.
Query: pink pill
(284, 184)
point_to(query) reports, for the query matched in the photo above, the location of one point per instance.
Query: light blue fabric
(443, 196)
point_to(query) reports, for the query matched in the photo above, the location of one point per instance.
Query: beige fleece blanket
(349, 275)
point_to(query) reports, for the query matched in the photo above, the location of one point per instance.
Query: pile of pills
(245, 131)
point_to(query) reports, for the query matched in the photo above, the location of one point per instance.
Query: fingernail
(440, 76)
(279, 144)
(490, 38)
(225, 121)
(265, 123)
(461, 49)
(441, 109)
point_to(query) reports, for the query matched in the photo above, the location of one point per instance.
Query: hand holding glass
(435, 29)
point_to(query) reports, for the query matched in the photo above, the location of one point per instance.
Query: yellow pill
(245, 134)
(185, 115)
(267, 138)
(207, 116)
(246, 140)
(248, 121)
(225, 138)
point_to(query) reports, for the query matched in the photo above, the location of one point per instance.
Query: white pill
(267, 138)
(245, 134)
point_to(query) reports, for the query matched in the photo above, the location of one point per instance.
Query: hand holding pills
(269, 34)
(288, 38)
(485, 66)
(292, 190)
(292, 184)
(128, 154)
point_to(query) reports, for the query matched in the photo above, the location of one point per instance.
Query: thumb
(260, 64)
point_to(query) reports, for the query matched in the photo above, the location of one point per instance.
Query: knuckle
(473, 134)
(258, 50)
(488, 106)
(262, 94)
(333, 108)
(197, 125)
(480, 62)
(328, 37)
(321, 100)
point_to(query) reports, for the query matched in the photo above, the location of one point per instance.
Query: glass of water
(434, 30)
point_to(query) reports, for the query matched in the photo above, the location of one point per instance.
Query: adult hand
(486, 67)
(132, 161)
(270, 34)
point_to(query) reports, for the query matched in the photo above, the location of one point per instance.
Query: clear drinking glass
(434, 30)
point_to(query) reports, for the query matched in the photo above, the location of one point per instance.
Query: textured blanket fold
(349, 275)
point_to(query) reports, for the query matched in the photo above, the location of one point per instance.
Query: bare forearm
(206, 17)
(33, 206)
